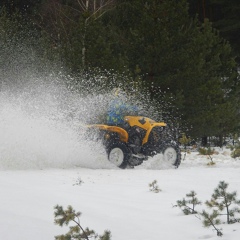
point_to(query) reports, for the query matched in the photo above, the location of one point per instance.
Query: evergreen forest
(187, 49)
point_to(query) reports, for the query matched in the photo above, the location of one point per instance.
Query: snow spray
(43, 115)
(43, 122)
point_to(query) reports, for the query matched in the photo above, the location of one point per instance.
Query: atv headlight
(107, 136)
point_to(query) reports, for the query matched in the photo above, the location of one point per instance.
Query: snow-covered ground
(43, 158)
(114, 199)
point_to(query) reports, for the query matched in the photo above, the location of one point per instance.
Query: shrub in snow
(154, 187)
(236, 152)
(188, 206)
(184, 140)
(64, 217)
(235, 149)
(207, 151)
(222, 200)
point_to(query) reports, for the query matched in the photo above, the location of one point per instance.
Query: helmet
(117, 92)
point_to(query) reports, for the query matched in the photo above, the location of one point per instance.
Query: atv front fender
(123, 135)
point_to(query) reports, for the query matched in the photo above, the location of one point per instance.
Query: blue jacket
(117, 111)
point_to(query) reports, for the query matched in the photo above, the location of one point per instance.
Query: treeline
(224, 14)
(187, 49)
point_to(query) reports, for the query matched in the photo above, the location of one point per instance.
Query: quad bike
(135, 141)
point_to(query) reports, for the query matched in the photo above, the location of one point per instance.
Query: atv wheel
(171, 154)
(119, 154)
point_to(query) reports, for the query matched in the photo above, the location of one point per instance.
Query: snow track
(114, 199)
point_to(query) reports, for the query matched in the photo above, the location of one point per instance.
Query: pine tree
(193, 201)
(212, 220)
(83, 40)
(187, 59)
(154, 187)
(65, 217)
(184, 140)
(222, 200)
(225, 17)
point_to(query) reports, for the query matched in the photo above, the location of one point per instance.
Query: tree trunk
(204, 141)
(84, 45)
(220, 142)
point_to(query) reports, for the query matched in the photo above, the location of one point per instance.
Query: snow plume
(43, 121)
(43, 115)
(42, 125)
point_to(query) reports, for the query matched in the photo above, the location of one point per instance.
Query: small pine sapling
(105, 236)
(193, 201)
(184, 141)
(211, 161)
(209, 152)
(154, 187)
(78, 182)
(236, 147)
(222, 200)
(236, 152)
(212, 220)
(64, 217)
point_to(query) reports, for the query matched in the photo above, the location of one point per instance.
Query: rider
(119, 108)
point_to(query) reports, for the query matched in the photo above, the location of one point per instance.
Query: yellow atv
(136, 140)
